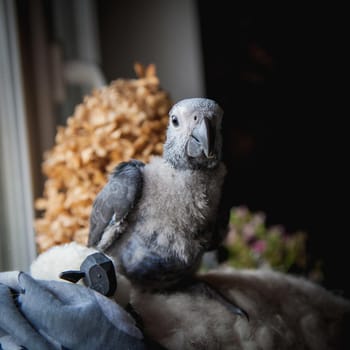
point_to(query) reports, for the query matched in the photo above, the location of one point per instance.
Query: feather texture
(285, 313)
(114, 202)
(169, 228)
(157, 220)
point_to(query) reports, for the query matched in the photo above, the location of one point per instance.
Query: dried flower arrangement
(124, 120)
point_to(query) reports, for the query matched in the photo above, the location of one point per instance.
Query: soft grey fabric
(51, 315)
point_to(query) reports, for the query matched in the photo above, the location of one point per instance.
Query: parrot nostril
(195, 117)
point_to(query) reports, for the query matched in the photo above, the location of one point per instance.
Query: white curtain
(17, 247)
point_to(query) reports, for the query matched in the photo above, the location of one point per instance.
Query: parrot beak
(202, 139)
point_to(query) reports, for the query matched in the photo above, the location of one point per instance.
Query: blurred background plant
(251, 243)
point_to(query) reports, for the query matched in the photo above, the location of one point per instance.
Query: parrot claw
(235, 309)
(214, 294)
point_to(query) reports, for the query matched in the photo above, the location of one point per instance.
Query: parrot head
(194, 134)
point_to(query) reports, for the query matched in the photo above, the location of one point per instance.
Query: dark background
(277, 73)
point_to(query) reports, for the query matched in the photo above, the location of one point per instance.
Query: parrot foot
(214, 294)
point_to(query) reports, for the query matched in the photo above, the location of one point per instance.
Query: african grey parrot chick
(157, 220)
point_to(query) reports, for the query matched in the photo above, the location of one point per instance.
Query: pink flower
(241, 211)
(258, 219)
(259, 246)
(278, 230)
(231, 236)
(248, 232)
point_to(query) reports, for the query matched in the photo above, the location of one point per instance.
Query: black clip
(97, 272)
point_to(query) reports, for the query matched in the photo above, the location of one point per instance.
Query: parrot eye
(195, 117)
(175, 121)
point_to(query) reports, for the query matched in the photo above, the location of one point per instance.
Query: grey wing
(116, 199)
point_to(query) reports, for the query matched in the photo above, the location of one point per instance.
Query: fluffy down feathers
(158, 235)
(169, 229)
(285, 313)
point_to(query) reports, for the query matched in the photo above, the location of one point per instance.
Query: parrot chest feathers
(142, 262)
(163, 236)
(176, 206)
